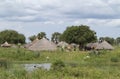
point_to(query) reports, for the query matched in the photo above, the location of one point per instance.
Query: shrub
(114, 59)
(4, 63)
(75, 73)
(58, 65)
(94, 53)
(36, 54)
(19, 73)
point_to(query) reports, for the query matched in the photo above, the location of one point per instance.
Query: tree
(11, 36)
(56, 37)
(33, 37)
(118, 40)
(21, 39)
(41, 35)
(79, 34)
(108, 39)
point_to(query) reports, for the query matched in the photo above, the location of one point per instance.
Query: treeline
(12, 37)
(77, 34)
(80, 35)
(73, 34)
(112, 41)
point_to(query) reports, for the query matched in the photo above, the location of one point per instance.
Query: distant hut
(74, 46)
(6, 44)
(30, 43)
(99, 46)
(27, 45)
(62, 44)
(42, 45)
(104, 45)
(90, 46)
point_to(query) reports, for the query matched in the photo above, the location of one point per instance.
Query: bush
(19, 73)
(4, 63)
(58, 65)
(94, 53)
(36, 54)
(75, 73)
(114, 59)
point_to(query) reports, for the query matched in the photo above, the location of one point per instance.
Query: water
(31, 67)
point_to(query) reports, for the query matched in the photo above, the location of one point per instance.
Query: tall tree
(41, 35)
(33, 37)
(79, 34)
(108, 39)
(56, 37)
(118, 40)
(11, 36)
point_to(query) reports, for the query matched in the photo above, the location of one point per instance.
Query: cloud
(33, 16)
(46, 10)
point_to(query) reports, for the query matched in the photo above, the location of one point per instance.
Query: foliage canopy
(56, 37)
(79, 34)
(39, 36)
(11, 36)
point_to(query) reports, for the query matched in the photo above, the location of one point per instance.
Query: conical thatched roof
(6, 44)
(43, 44)
(27, 45)
(104, 45)
(92, 45)
(62, 44)
(100, 45)
(30, 43)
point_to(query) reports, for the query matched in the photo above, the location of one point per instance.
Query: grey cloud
(39, 10)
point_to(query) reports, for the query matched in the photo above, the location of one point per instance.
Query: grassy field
(77, 64)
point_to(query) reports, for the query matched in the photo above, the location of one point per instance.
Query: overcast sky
(33, 16)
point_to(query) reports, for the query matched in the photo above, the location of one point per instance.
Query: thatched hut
(104, 45)
(99, 46)
(62, 44)
(90, 46)
(6, 44)
(42, 45)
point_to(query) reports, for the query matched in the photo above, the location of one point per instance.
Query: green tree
(21, 39)
(56, 37)
(108, 39)
(33, 37)
(79, 34)
(41, 35)
(11, 36)
(118, 40)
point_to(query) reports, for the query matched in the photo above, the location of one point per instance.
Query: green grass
(106, 65)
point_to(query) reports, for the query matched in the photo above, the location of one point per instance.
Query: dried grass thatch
(62, 44)
(42, 45)
(100, 45)
(104, 45)
(6, 44)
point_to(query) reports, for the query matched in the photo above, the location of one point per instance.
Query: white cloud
(28, 16)
(58, 9)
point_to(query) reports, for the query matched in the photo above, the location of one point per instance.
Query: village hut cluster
(46, 45)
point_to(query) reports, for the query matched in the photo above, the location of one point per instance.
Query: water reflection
(31, 67)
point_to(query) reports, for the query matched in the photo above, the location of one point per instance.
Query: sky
(30, 17)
